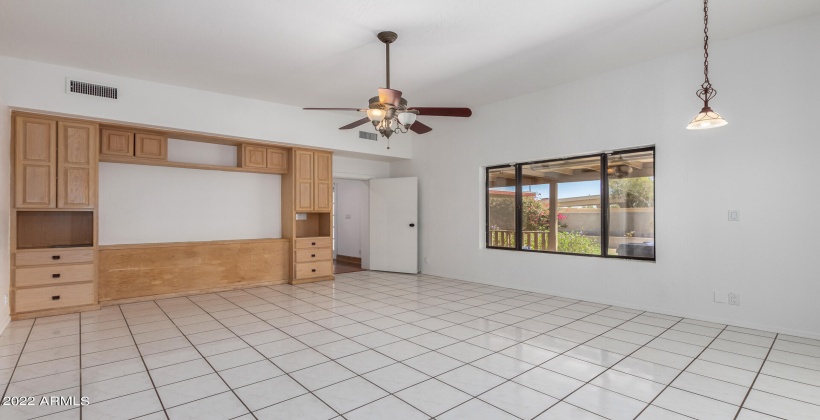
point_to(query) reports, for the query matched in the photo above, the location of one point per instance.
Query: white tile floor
(385, 346)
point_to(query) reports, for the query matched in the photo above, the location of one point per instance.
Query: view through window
(560, 205)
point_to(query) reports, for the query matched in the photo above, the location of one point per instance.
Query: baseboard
(349, 260)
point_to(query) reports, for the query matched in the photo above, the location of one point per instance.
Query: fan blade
(334, 109)
(420, 128)
(443, 112)
(355, 124)
(389, 96)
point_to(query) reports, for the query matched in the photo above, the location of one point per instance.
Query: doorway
(351, 226)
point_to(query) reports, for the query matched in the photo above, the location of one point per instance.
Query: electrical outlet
(6, 300)
(426, 260)
(734, 215)
(720, 297)
(734, 299)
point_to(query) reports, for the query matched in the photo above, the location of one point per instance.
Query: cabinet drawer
(308, 255)
(53, 297)
(311, 243)
(54, 256)
(39, 276)
(314, 269)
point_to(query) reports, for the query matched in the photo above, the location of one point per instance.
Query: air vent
(368, 136)
(85, 88)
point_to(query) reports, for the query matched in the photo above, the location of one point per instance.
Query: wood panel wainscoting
(143, 271)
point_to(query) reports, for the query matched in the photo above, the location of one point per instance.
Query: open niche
(55, 229)
(309, 225)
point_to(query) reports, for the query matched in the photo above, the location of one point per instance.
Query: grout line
(19, 356)
(538, 365)
(607, 368)
(749, 391)
(147, 372)
(203, 358)
(681, 372)
(80, 344)
(265, 358)
(319, 297)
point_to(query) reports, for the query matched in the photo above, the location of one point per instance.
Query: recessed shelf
(55, 229)
(314, 225)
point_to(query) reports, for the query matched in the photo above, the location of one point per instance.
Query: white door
(394, 235)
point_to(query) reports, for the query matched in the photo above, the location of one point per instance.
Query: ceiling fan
(389, 112)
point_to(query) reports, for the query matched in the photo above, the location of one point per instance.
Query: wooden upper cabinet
(76, 164)
(268, 159)
(150, 146)
(323, 178)
(254, 157)
(303, 177)
(117, 143)
(277, 160)
(35, 163)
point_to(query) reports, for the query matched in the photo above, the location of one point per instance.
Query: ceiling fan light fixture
(376, 114)
(706, 119)
(407, 118)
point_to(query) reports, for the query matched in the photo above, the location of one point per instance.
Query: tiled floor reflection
(386, 346)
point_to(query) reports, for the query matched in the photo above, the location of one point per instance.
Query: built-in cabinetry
(57, 265)
(53, 220)
(133, 145)
(309, 187)
(268, 159)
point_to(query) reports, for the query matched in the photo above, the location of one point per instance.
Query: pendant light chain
(706, 41)
(706, 92)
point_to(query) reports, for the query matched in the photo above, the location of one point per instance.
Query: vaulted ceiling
(325, 53)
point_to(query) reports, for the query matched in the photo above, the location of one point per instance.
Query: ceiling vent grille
(85, 88)
(368, 136)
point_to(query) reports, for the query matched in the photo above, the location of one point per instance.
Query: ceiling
(325, 53)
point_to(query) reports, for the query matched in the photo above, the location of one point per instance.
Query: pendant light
(707, 118)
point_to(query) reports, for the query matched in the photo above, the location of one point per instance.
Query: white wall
(762, 163)
(40, 86)
(5, 205)
(148, 204)
(353, 219)
(354, 168)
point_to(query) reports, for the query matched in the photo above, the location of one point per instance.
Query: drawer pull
(313, 243)
(55, 297)
(55, 257)
(55, 276)
(312, 255)
(312, 270)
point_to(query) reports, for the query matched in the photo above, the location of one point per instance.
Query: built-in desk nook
(59, 264)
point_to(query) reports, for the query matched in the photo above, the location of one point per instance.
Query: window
(501, 214)
(608, 213)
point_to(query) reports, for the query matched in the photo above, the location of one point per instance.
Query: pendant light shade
(706, 119)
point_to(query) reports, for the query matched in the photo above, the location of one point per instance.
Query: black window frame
(604, 156)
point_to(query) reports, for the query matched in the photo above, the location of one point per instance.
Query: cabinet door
(76, 164)
(278, 160)
(254, 157)
(117, 143)
(35, 163)
(150, 146)
(304, 181)
(323, 177)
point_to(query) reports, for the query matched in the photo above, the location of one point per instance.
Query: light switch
(734, 215)
(347, 216)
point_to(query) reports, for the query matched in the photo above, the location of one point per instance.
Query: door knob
(412, 225)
